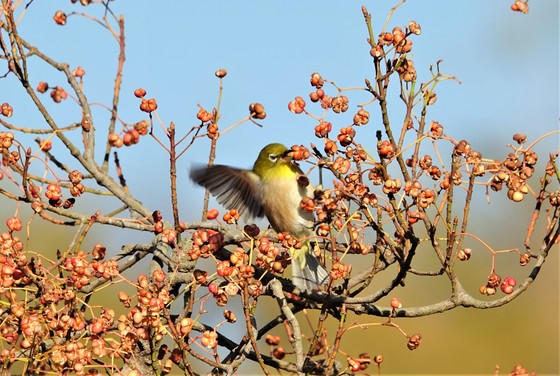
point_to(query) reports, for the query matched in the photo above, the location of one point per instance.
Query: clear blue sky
(507, 62)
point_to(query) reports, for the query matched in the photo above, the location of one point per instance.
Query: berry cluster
(271, 256)
(515, 170)
(520, 6)
(58, 94)
(42, 314)
(507, 285)
(205, 242)
(362, 362)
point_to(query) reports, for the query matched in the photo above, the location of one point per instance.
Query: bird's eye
(273, 157)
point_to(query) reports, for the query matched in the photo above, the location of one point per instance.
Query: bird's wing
(233, 188)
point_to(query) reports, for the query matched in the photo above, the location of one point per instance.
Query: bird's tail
(307, 272)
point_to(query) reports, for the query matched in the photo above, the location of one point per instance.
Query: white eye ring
(273, 157)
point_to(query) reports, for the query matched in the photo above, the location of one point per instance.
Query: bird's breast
(281, 202)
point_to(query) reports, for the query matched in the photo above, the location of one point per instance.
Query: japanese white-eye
(273, 189)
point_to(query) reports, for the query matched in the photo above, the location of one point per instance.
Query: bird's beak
(288, 155)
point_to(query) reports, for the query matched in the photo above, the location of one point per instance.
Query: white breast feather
(281, 201)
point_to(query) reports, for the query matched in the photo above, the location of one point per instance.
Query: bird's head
(274, 161)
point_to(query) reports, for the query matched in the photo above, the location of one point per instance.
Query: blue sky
(507, 63)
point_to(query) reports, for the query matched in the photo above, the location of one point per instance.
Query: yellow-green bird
(272, 189)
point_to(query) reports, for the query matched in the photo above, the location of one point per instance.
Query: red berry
(507, 285)
(212, 214)
(79, 72)
(213, 288)
(396, 303)
(297, 105)
(6, 110)
(60, 18)
(14, 224)
(279, 353)
(139, 93)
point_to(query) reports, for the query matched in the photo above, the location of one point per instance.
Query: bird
(272, 188)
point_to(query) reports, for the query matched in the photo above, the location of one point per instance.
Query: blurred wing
(233, 188)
